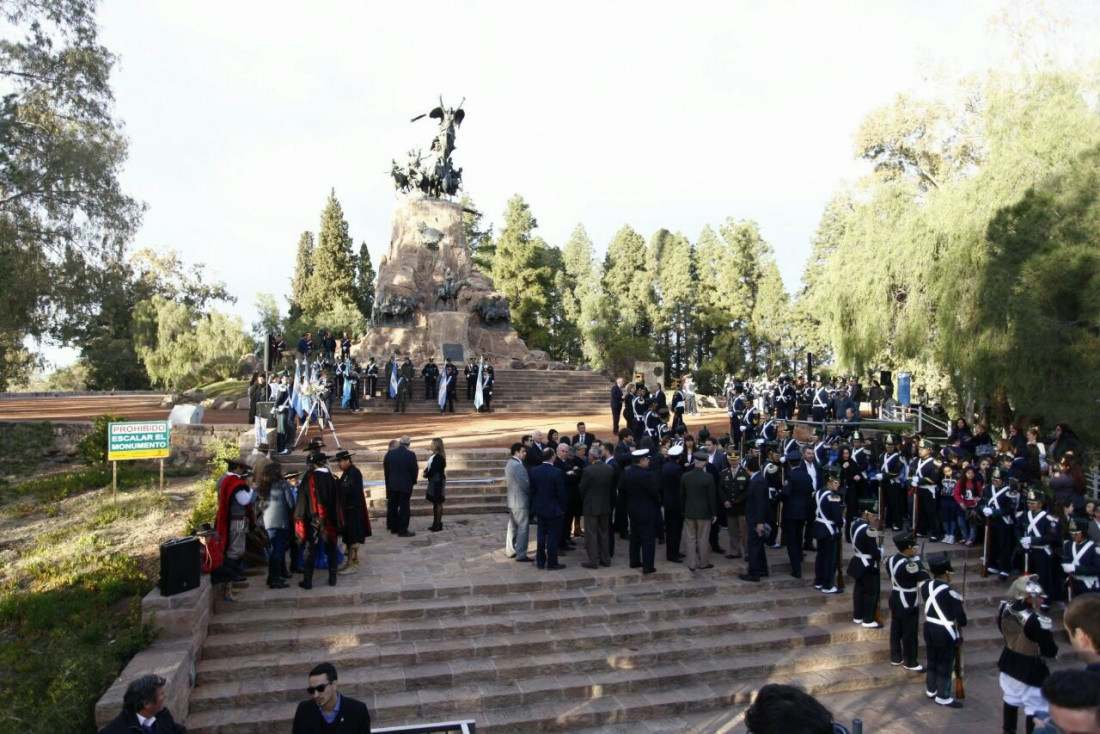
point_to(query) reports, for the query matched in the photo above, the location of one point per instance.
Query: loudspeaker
(885, 377)
(180, 565)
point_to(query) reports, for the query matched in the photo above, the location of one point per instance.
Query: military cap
(752, 464)
(833, 473)
(857, 436)
(999, 473)
(927, 444)
(1025, 586)
(940, 565)
(1078, 524)
(676, 449)
(905, 541)
(701, 455)
(1034, 495)
(868, 505)
(640, 453)
(890, 439)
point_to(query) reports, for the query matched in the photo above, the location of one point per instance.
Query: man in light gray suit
(596, 484)
(519, 505)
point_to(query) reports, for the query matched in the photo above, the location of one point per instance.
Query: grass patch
(207, 505)
(236, 389)
(59, 486)
(14, 457)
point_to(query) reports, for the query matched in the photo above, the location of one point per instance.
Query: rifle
(881, 529)
(960, 692)
(840, 561)
(916, 505)
(985, 547)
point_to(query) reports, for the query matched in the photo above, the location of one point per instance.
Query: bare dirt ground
(362, 430)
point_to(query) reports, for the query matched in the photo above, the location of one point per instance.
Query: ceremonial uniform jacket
(906, 575)
(651, 421)
(866, 554)
(643, 498)
(828, 514)
(944, 614)
(925, 473)
(1042, 528)
(430, 370)
(1085, 558)
(1028, 639)
(892, 466)
(997, 499)
(757, 502)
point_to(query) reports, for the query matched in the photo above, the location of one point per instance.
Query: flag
(261, 430)
(393, 380)
(444, 383)
(479, 393)
(296, 394)
(345, 399)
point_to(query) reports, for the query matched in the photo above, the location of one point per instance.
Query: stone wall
(189, 442)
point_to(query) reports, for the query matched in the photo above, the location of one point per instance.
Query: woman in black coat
(435, 473)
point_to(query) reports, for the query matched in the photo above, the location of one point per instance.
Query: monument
(429, 301)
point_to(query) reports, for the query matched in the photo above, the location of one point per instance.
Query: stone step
(466, 505)
(691, 680)
(576, 626)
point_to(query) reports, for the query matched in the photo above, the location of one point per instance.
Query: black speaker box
(180, 565)
(885, 377)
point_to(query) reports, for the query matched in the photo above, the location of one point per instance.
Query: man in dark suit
(143, 709)
(716, 464)
(400, 470)
(659, 396)
(616, 404)
(802, 484)
(643, 502)
(328, 710)
(583, 436)
(757, 515)
(534, 449)
(548, 500)
(597, 480)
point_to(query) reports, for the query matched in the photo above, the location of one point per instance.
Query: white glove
(1025, 542)
(987, 511)
(1069, 567)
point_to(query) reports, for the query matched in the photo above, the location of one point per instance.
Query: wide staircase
(515, 391)
(475, 480)
(442, 626)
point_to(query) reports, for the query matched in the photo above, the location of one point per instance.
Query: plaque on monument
(453, 352)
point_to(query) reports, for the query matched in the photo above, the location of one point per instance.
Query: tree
(521, 273)
(628, 282)
(581, 303)
(63, 215)
(674, 306)
(364, 282)
(480, 241)
(303, 271)
(332, 275)
(269, 321)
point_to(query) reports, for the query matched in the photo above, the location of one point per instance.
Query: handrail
(466, 726)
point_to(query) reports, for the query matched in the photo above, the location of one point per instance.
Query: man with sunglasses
(328, 710)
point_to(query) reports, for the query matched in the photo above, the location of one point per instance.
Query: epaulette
(771, 469)
(956, 594)
(834, 497)
(912, 567)
(937, 463)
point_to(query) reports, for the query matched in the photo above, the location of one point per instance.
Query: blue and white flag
(394, 382)
(444, 383)
(479, 392)
(345, 399)
(296, 394)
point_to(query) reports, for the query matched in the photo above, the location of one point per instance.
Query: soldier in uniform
(893, 491)
(1028, 639)
(408, 372)
(924, 476)
(733, 488)
(773, 477)
(451, 373)
(643, 502)
(864, 565)
(944, 618)
(402, 396)
(628, 408)
(639, 405)
(786, 398)
(1040, 538)
(820, 406)
(651, 420)
(906, 574)
(1081, 559)
(999, 501)
(677, 406)
(372, 377)
(471, 378)
(736, 408)
(749, 424)
(430, 373)
(827, 527)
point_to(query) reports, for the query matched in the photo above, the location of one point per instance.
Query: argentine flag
(295, 394)
(479, 393)
(393, 379)
(444, 383)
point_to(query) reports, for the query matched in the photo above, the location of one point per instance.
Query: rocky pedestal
(428, 294)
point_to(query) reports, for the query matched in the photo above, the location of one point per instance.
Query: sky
(242, 116)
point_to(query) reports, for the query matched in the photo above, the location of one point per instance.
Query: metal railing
(466, 726)
(924, 422)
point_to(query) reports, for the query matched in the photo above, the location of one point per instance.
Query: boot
(1029, 724)
(1011, 718)
(347, 559)
(307, 575)
(332, 577)
(351, 563)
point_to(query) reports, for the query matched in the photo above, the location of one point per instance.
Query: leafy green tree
(582, 302)
(364, 282)
(521, 272)
(675, 302)
(63, 215)
(303, 271)
(628, 282)
(478, 237)
(332, 277)
(268, 321)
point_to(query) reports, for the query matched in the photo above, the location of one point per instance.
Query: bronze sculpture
(439, 177)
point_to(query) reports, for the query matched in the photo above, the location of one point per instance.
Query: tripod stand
(322, 416)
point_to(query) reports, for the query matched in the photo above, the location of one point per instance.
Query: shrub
(207, 506)
(92, 449)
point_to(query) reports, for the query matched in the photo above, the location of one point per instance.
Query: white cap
(676, 450)
(640, 453)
